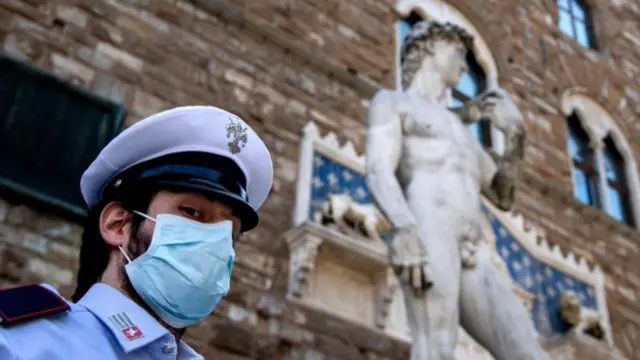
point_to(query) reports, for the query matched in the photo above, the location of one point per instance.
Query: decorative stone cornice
(373, 256)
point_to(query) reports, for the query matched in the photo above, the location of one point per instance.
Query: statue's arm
(490, 179)
(502, 173)
(383, 150)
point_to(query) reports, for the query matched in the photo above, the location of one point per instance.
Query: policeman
(167, 198)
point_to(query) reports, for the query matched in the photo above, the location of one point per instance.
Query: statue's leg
(493, 314)
(433, 316)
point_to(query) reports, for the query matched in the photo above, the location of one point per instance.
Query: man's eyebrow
(191, 197)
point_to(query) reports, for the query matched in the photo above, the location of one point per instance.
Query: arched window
(618, 192)
(604, 166)
(585, 175)
(575, 20)
(471, 84)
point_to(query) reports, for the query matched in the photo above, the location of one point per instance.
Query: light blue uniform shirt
(104, 324)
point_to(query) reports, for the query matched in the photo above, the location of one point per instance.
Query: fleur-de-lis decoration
(237, 133)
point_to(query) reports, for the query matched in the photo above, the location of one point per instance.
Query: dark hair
(418, 44)
(94, 251)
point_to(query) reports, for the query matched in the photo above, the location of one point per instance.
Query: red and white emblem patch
(132, 333)
(126, 326)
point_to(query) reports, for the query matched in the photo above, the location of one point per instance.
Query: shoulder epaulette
(29, 302)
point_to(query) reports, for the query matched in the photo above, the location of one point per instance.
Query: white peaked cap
(186, 129)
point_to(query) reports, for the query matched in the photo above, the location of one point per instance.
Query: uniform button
(168, 348)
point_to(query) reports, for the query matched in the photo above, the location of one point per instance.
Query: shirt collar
(185, 352)
(130, 324)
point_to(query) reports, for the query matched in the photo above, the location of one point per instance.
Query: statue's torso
(440, 156)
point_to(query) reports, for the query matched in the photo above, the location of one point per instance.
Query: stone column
(603, 194)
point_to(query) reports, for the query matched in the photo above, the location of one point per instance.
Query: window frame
(12, 189)
(601, 160)
(589, 168)
(587, 22)
(620, 185)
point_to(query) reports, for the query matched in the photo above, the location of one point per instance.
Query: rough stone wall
(150, 55)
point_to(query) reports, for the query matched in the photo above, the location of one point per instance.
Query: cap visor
(244, 211)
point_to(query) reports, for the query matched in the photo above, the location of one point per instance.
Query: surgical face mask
(186, 270)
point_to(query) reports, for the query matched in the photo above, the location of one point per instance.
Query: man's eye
(189, 211)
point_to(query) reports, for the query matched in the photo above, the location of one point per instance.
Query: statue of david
(427, 172)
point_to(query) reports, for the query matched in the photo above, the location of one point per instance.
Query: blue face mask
(186, 270)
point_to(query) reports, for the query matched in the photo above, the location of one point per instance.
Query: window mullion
(603, 194)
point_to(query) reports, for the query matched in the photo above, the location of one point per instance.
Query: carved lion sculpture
(364, 219)
(580, 318)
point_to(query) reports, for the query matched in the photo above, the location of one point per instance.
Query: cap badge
(237, 133)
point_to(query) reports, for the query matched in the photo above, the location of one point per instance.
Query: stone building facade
(301, 73)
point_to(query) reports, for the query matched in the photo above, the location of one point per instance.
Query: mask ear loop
(144, 216)
(125, 254)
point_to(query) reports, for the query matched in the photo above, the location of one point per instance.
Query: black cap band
(210, 174)
(196, 175)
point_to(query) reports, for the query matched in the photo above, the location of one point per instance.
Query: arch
(598, 123)
(596, 120)
(440, 10)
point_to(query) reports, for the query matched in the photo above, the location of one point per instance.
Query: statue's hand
(505, 182)
(470, 112)
(408, 257)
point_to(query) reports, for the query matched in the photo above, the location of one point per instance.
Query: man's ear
(115, 224)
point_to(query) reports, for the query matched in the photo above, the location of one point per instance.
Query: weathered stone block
(58, 228)
(22, 46)
(71, 69)
(145, 104)
(45, 271)
(234, 337)
(112, 89)
(126, 59)
(22, 215)
(34, 242)
(71, 14)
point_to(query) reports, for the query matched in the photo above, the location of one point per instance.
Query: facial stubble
(139, 242)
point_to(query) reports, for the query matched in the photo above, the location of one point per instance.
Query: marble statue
(426, 172)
